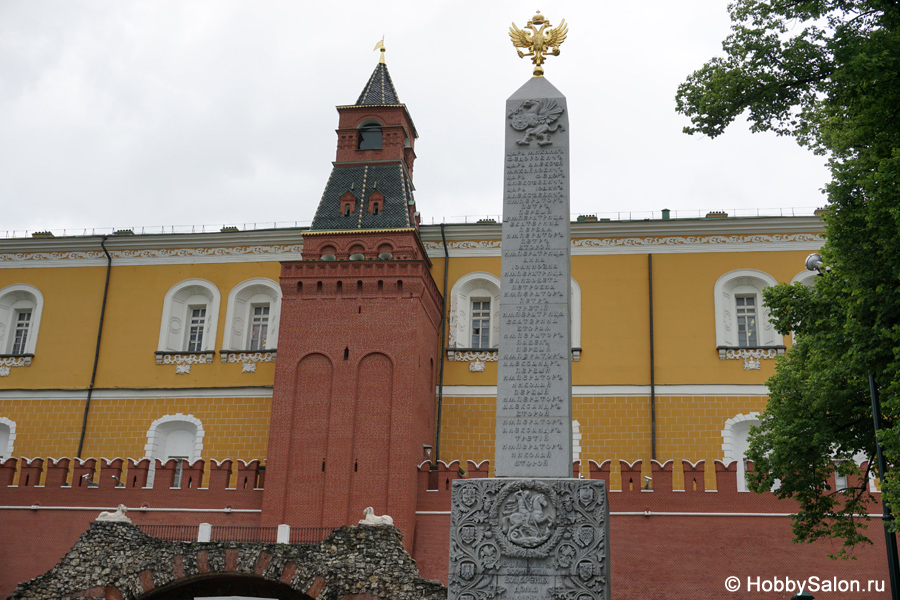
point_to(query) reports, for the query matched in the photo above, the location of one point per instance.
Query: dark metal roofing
(390, 180)
(380, 89)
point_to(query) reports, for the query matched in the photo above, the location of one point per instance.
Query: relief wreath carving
(527, 516)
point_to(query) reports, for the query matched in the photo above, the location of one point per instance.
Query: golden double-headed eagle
(540, 42)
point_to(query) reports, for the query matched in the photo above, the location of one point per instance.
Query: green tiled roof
(390, 180)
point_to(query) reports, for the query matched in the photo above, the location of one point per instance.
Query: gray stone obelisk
(532, 532)
(534, 376)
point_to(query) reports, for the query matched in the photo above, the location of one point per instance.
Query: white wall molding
(138, 394)
(627, 390)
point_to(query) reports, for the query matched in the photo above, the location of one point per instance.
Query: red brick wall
(656, 553)
(353, 384)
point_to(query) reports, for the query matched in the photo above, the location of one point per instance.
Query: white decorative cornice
(13, 361)
(751, 356)
(247, 360)
(638, 245)
(152, 256)
(184, 361)
(469, 356)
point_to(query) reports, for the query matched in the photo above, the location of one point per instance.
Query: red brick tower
(354, 397)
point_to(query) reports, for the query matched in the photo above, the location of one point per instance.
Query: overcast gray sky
(189, 112)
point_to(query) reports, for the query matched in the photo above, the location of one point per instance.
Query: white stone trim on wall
(139, 394)
(11, 440)
(174, 315)
(626, 390)
(152, 256)
(465, 289)
(731, 446)
(152, 450)
(461, 295)
(806, 277)
(237, 312)
(10, 297)
(642, 245)
(736, 282)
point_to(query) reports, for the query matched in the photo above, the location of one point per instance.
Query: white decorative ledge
(751, 356)
(247, 359)
(7, 361)
(477, 357)
(184, 360)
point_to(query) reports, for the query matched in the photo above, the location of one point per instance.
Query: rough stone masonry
(532, 532)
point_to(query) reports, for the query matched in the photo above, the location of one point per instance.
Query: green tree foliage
(826, 72)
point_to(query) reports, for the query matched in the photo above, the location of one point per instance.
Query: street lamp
(814, 263)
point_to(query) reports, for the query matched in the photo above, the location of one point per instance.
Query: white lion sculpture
(116, 516)
(372, 519)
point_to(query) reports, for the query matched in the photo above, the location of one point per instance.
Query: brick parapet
(104, 483)
(635, 493)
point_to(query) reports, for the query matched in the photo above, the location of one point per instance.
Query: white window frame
(481, 317)
(479, 285)
(807, 278)
(159, 432)
(743, 282)
(7, 450)
(13, 300)
(239, 313)
(473, 286)
(175, 323)
(734, 444)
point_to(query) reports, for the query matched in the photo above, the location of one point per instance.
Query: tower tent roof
(388, 183)
(380, 89)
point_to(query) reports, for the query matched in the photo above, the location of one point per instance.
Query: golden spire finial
(540, 42)
(380, 44)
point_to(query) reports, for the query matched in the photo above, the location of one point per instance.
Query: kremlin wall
(297, 376)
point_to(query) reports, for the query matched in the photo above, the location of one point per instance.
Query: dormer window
(376, 202)
(370, 137)
(348, 204)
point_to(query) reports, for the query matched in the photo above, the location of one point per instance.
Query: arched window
(807, 278)
(735, 445)
(742, 320)
(174, 436)
(370, 136)
(21, 306)
(475, 311)
(190, 316)
(252, 315)
(7, 438)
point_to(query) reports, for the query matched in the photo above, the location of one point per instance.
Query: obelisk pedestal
(532, 532)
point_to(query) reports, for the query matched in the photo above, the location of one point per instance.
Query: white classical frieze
(686, 243)
(704, 240)
(183, 362)
(15, 361)
(471, 356)
(475, 358)
(751, 356)
(247, 357)
(247, 360)
(153, 255)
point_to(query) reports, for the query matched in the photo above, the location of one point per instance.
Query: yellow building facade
(671, 340)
